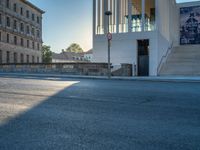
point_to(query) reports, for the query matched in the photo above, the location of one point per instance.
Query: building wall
(34, 37)
(124, 49)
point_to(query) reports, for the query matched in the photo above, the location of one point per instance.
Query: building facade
(20, 32)
(143, 31)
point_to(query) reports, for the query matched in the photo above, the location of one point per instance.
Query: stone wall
(91, 69)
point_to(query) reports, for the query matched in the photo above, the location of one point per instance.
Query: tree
(46, 54)
(74, 48)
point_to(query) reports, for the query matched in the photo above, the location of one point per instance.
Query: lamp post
(109, 37)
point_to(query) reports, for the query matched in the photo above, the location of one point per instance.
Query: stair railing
(164, 57)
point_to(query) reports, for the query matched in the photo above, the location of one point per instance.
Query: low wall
(91, 69)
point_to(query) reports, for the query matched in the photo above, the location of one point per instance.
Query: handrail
(164, 57)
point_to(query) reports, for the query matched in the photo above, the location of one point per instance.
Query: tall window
(0, 19)
(38, 46)
(1, 57)
(38, 33)
(38, 19)
(22, 27)
(15, 24)
(15, 7)
(22, 11)
(33, 17)
(15, 40)
(22, 58)
(22, 42)
(8, 57)
(149, 15)
(15, 57)
(27, 29)
(33, 31)
(27, 58)
(0, 37)
(8, 3)
(27, 43)
(33, 45)
(33, 59)
(8, 21)
(27, 14)
(8, 38)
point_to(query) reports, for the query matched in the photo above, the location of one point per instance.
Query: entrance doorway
(143, 57)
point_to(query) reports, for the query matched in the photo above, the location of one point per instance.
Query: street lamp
(109, 37)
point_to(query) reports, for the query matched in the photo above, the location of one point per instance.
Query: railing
(164, 57)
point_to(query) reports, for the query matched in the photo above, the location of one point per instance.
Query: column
(129, 15)
(117, 16)
(94, 18)
(143, 15)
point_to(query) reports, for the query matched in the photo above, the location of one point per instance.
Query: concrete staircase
(183, 60)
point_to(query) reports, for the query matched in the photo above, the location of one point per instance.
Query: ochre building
(20, 32)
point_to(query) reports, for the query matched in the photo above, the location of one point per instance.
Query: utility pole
(109, 37)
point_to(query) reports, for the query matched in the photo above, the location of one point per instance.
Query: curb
(175, 79)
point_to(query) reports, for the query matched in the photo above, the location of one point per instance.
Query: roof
(33, 6)
(89, 51)
(66, 55)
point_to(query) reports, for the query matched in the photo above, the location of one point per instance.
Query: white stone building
(20, 32)
(147, 34)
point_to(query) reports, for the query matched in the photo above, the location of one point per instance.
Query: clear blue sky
(68, 21)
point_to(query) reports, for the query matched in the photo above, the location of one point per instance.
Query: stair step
(183, 60)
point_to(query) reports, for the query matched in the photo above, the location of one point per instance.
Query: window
(38, 60)
(15, 40)
(22, 42)
(22, 27)
(38, 46)
(8, 57)
(27, 14)
(15, 7)
(0, 19)
(15, 24)
(8, 21)
(33, 17)
(33, 31)
(22, 11)
(38, 20)
(149, 15)
(8, 3)
(15, 57)
(33, 45)
(27, 43)
(33, 59)
(1, 57)
(8, 38)
(22, 58)
(38, 33)
(27, 58)
(27, 29)
(0, 37)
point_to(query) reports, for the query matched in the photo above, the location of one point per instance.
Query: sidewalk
(151, 78)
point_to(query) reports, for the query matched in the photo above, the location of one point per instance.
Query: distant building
(67, 57)
(20, 32)
(88, 56)
(72, 57)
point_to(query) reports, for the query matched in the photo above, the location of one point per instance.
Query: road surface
(72, 114)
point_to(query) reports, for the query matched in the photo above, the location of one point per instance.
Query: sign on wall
(190, 25)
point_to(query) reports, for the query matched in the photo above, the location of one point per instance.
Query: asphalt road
(66, 114)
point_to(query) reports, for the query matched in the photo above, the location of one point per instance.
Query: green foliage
(74, 48)
(46, 54)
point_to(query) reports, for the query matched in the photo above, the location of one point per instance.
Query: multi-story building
(155, 36)
(20, 32)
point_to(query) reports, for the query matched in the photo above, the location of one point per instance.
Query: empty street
(79, 114)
